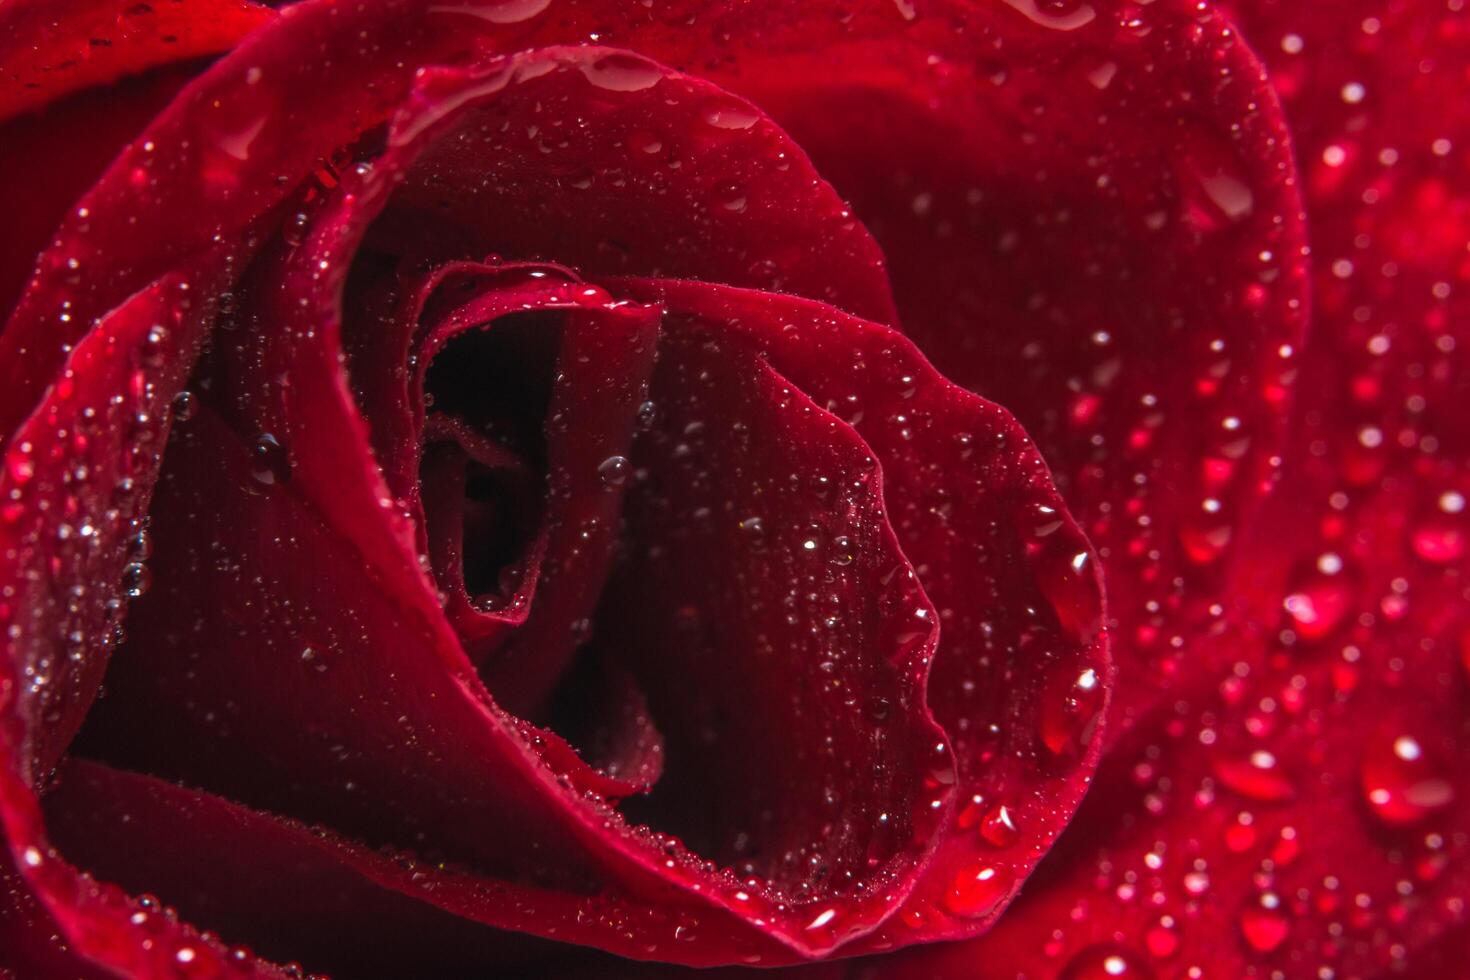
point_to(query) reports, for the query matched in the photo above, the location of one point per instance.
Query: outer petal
(52, 49)
(223, 151)
(1092, 219)
(1306, 810)
(1021, 677)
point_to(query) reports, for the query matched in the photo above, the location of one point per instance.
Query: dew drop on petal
(976, 890)
(1105, 962)
(1071, 703)
(614, 471)
(1401, 782)
(1263, 925)
(622, 73)
(998, 826)
(269, 463)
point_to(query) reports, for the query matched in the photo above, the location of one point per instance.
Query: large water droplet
(730, 115)
(1257, 776)
(614, 471)
(1440, 539)
(495, 11)
(1263, 925)
(1318, 605)
(1072, 698)
(998, 826)
(976, 890)
(622, 73)
(1059, 15)
(1401, 783)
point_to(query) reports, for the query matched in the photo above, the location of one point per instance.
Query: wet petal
(1092, 218)
(1302, 807)
(1021, 675)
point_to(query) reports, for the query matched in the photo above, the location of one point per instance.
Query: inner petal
(763, 603)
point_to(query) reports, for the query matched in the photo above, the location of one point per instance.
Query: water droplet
(614, 471)
(1059, 15)
(495, 11)
(269, 462)
(1318, 605)
(878, 709)
(998, 826)
(295, 227)
(135, 580)
(1065, 576)
(1402, 783)
(1104, 962)
(1071, 702)
(622, 73)
(731, 197)
(976, 890)
(1230, 194)
(1162, 939)
(1264, 925)
(1258, 776)
(1439, 540)
(731, 116)
(184, 406)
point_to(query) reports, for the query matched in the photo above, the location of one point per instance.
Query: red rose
(468, 504)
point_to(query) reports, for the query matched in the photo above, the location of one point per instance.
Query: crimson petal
(1304, 807)
(1022, 673)
(1091, 215)
(52, 49)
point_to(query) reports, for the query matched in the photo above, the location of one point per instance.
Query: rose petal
(313, 739)
(70, 143)
(301, 490)
(239, 156)
(1021, 677)
(1092, 218)
(1342, 677)
(51, 49)
(76, 483)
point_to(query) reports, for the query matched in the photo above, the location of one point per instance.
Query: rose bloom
(880, 488)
